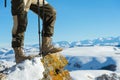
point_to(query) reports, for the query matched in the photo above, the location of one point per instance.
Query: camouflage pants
(19, 11)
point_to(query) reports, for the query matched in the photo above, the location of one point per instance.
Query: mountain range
(109, 41)
(85, 58)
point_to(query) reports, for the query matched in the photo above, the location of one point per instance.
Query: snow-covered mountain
(93, 58)
(87, 60)
(85, 63)
(109, 41)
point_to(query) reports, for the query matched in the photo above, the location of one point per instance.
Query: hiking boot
(47, 46)
(19, 55)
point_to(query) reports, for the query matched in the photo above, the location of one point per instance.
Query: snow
(88, 74)
(28, 70)
(92, 51)
(85, 63)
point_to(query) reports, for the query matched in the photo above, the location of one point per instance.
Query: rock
(2, 76)
(112, 76)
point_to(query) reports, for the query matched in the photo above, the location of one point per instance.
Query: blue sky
(76, 20)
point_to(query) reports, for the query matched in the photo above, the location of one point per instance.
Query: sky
(76, 20)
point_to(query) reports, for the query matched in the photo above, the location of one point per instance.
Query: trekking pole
(38, 3)
(5, 3)
(43, 11)
(43, 19)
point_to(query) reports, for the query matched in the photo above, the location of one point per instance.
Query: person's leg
(19, 28)
(49, 18)
(48, 27)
